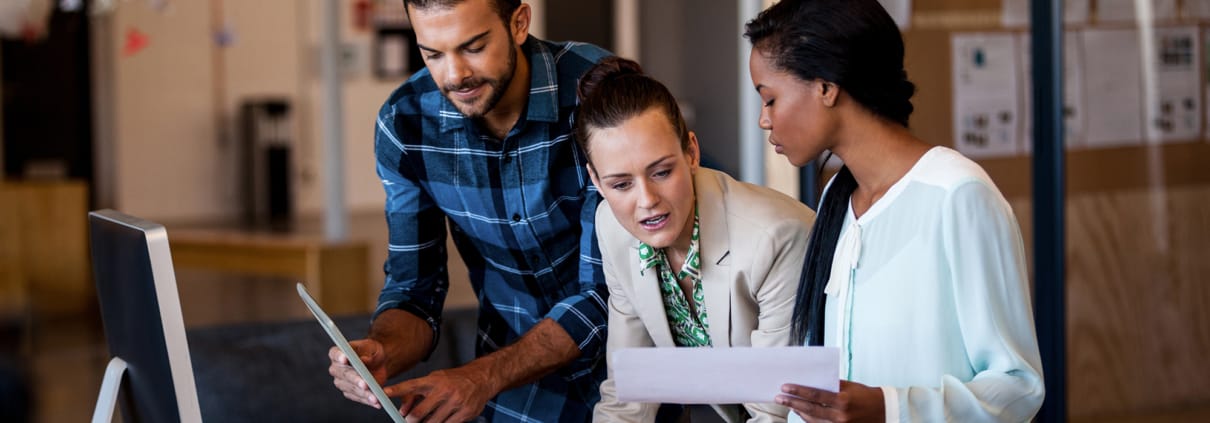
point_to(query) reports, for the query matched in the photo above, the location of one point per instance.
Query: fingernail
(785, 389)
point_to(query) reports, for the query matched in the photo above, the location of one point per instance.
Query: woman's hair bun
(607, 69)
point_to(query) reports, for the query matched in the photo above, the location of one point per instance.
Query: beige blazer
(752, 243)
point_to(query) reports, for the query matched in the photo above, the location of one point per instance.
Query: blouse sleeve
(986, 258)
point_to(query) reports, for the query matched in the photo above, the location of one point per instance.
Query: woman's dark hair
(857, 46)
(616, 89)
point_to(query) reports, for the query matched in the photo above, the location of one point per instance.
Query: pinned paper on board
(1128, 11)
(1074, 118)
(136, 41)
(986, 100)
(1174, 110)
(24, 19)
(1015, 13)
(1113, 87)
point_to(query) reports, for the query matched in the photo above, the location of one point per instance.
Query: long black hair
(857, 46)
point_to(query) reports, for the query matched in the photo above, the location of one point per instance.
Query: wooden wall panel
(1137, 326)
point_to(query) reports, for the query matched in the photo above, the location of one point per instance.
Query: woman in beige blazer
(738, 247)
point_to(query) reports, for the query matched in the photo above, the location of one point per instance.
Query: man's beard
(497, 88)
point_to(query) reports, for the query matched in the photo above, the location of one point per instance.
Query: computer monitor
(141, 311)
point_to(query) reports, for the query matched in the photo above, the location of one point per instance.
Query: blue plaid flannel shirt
(521, 214)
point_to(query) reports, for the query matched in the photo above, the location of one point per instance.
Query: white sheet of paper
(1126, 11)
(1175, 110)
(1074, 118)
(1015, 13)
(721, 375)
(986, 99)
(1113, 88)
(900, 11)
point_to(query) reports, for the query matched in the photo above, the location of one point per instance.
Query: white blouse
(928, 299)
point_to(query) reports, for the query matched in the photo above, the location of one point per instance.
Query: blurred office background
(209, 116)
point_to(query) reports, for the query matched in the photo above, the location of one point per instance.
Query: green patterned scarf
(688, 329)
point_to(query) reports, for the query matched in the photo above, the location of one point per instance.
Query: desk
(334, 272)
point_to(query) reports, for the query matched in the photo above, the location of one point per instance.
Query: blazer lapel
(649, 302)
(715, 250)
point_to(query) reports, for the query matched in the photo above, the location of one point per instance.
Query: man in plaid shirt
(481, 138)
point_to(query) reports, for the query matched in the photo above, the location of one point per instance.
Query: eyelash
(768, 103)
(622, 186)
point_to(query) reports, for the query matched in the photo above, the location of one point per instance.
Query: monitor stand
(107, 399)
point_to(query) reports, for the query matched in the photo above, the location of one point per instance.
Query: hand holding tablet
(354, 360)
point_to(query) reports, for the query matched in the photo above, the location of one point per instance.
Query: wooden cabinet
(44, 261)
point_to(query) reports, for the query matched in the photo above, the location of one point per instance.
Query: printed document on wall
(1015, 13)
(1175, 108)
(1127, 11)
(1113, 87)
(986, 99)
(1073, 91)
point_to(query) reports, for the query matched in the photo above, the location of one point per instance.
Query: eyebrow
(464, 44)
(655, 163)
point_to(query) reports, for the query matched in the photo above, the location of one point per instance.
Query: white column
(626, 28)
(335, 219)
(751, 137)
(537, 18)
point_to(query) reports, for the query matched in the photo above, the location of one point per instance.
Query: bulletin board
(1141, 164)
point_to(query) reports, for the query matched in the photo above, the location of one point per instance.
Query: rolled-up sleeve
(416, 277)
(584, 315)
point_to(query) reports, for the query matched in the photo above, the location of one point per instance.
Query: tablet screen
(354, 359)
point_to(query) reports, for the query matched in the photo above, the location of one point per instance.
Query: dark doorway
(589, 21)
(48, 102)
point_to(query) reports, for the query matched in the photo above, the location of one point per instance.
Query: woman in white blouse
(915, 268)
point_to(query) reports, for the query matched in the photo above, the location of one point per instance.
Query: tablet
(354, 359)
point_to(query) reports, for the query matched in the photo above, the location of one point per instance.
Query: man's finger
(336, 356)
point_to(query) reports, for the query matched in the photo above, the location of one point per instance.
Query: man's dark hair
(503, 8)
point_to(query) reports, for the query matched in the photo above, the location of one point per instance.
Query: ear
(519, 24)
(693, 153)
(592, 173)
(828, 92)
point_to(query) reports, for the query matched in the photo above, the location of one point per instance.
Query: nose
(456, 70)
(647, 198)
(764, 121)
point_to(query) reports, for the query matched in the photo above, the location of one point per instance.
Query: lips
(654, 223)
(468, 93)
(776, 147)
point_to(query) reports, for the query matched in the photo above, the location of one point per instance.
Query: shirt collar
(543, 102)
(650, 257)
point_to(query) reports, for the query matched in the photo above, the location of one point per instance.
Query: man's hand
(854, 403)
(346, 378)
(453, 395)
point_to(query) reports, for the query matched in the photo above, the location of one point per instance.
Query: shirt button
(516, 217)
